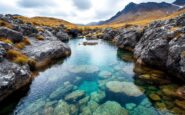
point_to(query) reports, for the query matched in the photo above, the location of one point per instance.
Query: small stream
(94, 80)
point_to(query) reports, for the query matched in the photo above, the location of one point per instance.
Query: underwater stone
(35, 106)
(98, 96)
(62, 108)
(180, 103)
(84, 69)
(61, 91)
(110, 108)
(130, 106)
(124, 88)
(155, 97)
(161, 106)
(84, 100)
(145, 102)
(75, 96)
(105, 74)
(144, 111)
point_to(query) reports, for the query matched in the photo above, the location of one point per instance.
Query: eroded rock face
(12, 77)
(11, 34)
(129, 38)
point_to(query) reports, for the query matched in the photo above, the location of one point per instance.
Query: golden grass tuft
(6, 40)
(5, 24)
(22, 44)
(17, 57)
(39, 37)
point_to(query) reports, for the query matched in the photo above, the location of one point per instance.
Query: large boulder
(42, 50)
(152, 49)
(12, 77)
(11, 34)
(129, 38)
(110, 108)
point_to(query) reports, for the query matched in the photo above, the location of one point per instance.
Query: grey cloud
(82, 4)
(35, 3)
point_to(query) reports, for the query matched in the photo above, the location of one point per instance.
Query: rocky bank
(159, 45)
(25, 47)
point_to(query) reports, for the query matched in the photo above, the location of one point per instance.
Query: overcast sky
(75, 11)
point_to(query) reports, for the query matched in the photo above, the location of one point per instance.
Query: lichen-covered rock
(110, 108)
(12, 77)
(11, 34)
(129, 38)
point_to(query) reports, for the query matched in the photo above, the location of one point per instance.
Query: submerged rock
(75, 96)
(125, 88)
(62, 108)
(110, 108)
(130, 106)
(105, 74)
(61, 91)
(84, 69)
(144, 111)
(98, 96)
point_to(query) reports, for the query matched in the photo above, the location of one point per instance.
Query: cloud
(82, 4)
(75, 11)
(35, 3)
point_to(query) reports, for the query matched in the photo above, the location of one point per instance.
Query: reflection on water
(100, 80)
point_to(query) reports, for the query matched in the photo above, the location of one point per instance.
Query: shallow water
(81, 85)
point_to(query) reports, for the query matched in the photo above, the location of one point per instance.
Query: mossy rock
(180, 103)
(161, 106)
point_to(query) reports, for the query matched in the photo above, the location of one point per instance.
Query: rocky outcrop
(12, 77)
(109, 34)
(11, 34)
(162, 46)
(129, 38)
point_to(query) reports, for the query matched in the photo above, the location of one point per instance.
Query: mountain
(180, 2)
(143, 11)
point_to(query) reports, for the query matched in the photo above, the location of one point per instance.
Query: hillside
(46, 21)
(180, 2)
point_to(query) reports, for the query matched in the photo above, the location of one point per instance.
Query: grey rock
(11, 34)
(12, 77)
(129, 38)
(41, 50)
(75, 96)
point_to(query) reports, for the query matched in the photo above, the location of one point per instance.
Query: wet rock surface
(12, 77)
